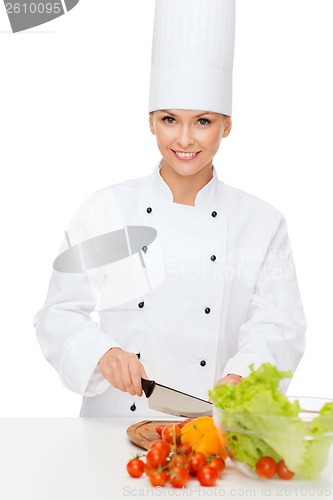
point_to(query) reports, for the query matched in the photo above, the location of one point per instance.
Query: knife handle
(147, 386)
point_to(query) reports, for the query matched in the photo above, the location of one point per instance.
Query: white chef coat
(224, 294)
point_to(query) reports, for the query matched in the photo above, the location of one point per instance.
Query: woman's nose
(185, 138)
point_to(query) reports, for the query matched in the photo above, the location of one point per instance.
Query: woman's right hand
(123, 370)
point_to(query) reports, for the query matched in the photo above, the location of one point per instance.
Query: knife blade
(168, 400)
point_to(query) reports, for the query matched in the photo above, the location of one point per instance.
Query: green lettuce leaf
(257, 405)
(317, 449)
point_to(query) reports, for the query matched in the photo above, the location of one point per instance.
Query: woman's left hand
(231, 378)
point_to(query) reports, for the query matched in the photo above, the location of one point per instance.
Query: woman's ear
(151, 122)
(227, 126)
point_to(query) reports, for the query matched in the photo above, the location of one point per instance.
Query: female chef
(192, 280)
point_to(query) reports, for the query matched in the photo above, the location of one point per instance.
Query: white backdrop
(73, 119)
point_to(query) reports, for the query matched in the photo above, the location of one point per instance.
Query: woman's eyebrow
(197, 116)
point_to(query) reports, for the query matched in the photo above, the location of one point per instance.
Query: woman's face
(188, 140)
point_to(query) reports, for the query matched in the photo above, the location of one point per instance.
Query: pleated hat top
(192, 55)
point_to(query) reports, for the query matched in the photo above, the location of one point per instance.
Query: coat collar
(207, 193)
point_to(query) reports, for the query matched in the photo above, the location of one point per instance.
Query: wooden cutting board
(144, 433)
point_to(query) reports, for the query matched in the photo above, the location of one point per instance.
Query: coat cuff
(97, 384)
(239, 365)
(81, 358)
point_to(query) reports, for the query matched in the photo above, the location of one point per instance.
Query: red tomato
(283, 472)
(178, 460)
(197, 460)
(159, 430)
(179, 477)
(147, 469)
(135, 467)
(158, 478)
(217, 462)
(207, 476)
(156, 457)
(160, 444)
(266, 467)
(171, 434)
(183, 449)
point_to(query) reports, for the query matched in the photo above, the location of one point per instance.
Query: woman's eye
(168, 119)
(203, 121)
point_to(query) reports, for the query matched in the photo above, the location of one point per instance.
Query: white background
(73, 119)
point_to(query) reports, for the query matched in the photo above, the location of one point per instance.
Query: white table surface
(85, 459)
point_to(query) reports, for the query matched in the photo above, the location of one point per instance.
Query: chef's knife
(167, 400)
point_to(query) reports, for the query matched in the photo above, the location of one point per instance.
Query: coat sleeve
(69, 337)
(275, 328)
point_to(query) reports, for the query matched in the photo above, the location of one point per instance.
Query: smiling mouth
(185, 155)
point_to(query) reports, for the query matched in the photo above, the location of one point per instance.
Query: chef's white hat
(192, 55)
